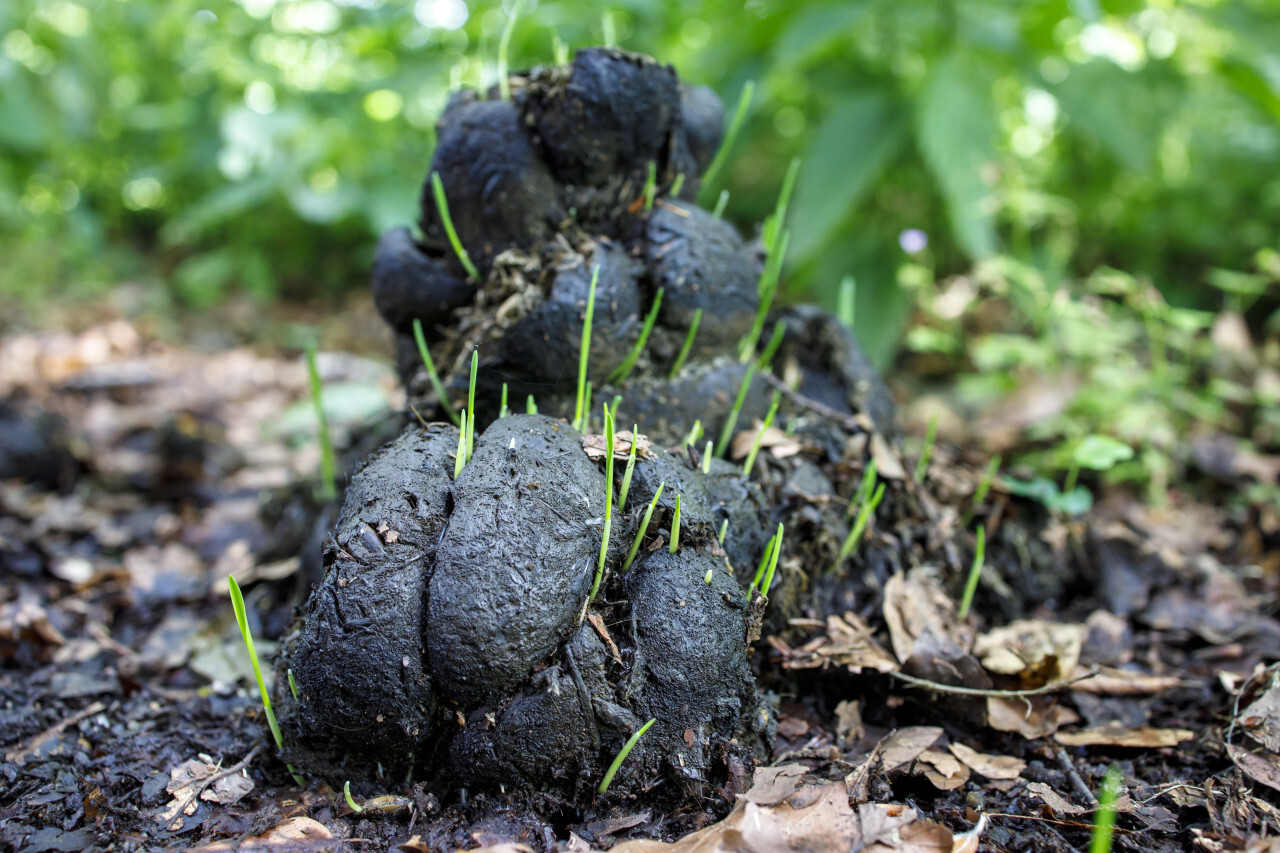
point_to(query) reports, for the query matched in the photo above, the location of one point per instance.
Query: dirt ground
(1132, 637)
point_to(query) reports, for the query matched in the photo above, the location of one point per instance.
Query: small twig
(204, 784)
(849, 422)
(1064, 761)
(980, 691)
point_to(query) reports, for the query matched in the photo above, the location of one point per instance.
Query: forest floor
(129, 719)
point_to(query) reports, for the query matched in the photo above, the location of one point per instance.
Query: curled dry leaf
(850, 642)
(945, 771)
(1061, 805)
(1115, 734)
(1032, 717)
(1110, 681)
(1039, 652)
(594, 445)
(1261, 719)
(906, 744)
(1262, 767)
(1002, 767)
(774, 440)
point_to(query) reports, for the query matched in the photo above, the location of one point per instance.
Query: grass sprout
(442, 205)
(731, 135)
(1105, 822)
(644, 527)
(846, 300)
(581, 412)
(773, 225)
(609, 31)
(706, 458)
(867, 509)
(726, 432)
(630, 469)
(436, 385)
(613, 407)
(586, 411)
(530, 406)
(559, 50)
(695, 433)
(984, 486)
(708, 576)
(504, 48)
(622, 755)
(724, 528)
(768, 289)
(237, 604)
(930, 435)
(328, 467)
(608, 504)
(293, 685)
(650, 186)
(676, 186)
(773, 562)
(629, 363)
(771, 348)
(460, 459)
(721, 203)
(675, 529)
(688, 345)
(471, 404)
(768, 563)
(503, 411)
(351, 804)
(764, 427)
(975, 572)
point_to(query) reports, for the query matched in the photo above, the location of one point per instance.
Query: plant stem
(855, 535)
(688, 344)
(644, 527)
(530, 406)
(442, 205)
(237, 604)
(1104, 823)
(731, 135)
(650, 186)
(631, 466)
(773, 563)
(768, 289)
(622, 755)
(724, 528)
(503, 411)
(504, 47)
(328, 467)
(846, 304)
(675, 529)
(608, 504)
(471, 404)
(351, 804)
(764, 427)
(726, 432)
(975, 572)
(706, 457)
(676, 186)
(436, 384)
(460, 459)
(628, 364)
(580, 413)
(721, 203)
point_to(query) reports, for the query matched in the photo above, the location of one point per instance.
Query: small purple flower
(913, 241)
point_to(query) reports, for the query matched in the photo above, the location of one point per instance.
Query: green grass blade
(460, 459)
(530, 406)
(773, 562)
(726, 432)
(771, 349)
(622, 756)
(631, 467)
(580, 411)
(695, 433)
(675, 529)
(688, 344)
(768, 289)
(846, 301)
(650, 186)
(764, 427)
(237, 604)
(975, 572)
(724, 528)
(328, 467)
(504, 48)
(346, 793)
(706, 457)
(608, 504)
(859, 526)
(764, 562)
(442, 205)
(721, 204)
(628, 364)
(676, 186)
(644, 527)
(471, 404)
(432, 375)
(503, 411)
(1105, 822)
(731, 135)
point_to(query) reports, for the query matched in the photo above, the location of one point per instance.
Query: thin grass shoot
(559, 50)
(721, 203)
(351, 804)
(768, 289)
(644, 527)
(773, 226)
(773, 562)
(503, 411)
(609, 30)
(580, 412)
(865, 513)
(504, 49)
(675, 529)
(328, 467)
(771, 349)
(687, 346)
(726, 432)
(650, 186)
(724, 529)
(629, 363)
(975, 572)
(622, 756)
(677, 185)
(530, 405)
(460, 458)
(764, 428)
(731, 135)
(1105, 821)
(609, 439)
(293, 685)
(846, 301)
(442, 205)
(708, 576)
(758, 577)
(930, 435)
(695, 434)
(471, 403)
(436, 385)
(631, 467)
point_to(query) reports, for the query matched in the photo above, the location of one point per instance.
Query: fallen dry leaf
(1115, 734)
(772, 785)
(926, 637)
(888, 465)
(1109, 681)
(1039, 652)
(1032, 717)
(594, 445)
(945, 771)
(1261, 718)
(906, 744)
(1002, 767)
(1061, 805)
(850, 642)
(1261, 767)
(295, 835)
(774, 440)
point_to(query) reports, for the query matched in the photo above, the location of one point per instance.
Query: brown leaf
(850, 642)
(597, 622)
(1259, 766)
(1109, 681)
(848, 722)
(888, 465)
(1059, 804)
(906, 744)
(595, 447)
(945, 771)
(991, 766)
(1261, 719)
(1033, 717)
(1115, 734)
(774, 440)
(775, 784)
(1038, 651)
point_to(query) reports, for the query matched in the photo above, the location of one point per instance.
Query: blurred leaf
(22, 127)
(1101, 452)
(955, 122)
(816, 27)
(1076, 502)
(859, 136)
(1115, 107)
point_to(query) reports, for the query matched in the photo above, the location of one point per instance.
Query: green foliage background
(260, 146)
